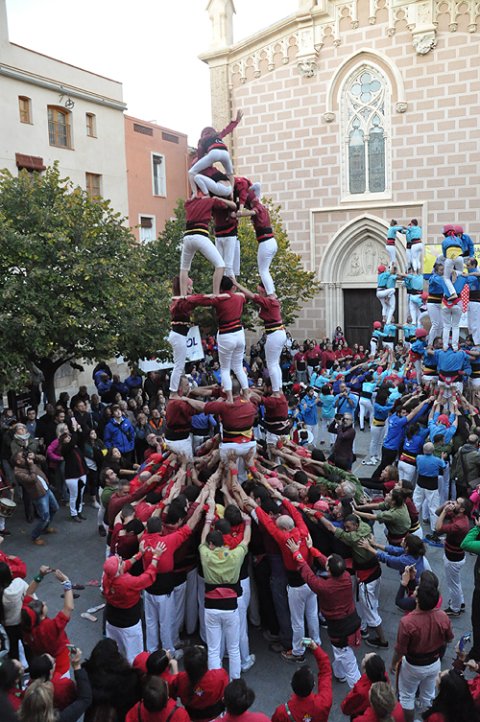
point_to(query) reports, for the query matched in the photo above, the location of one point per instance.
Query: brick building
(356, 112)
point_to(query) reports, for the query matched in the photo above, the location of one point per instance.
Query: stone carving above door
(364, 259)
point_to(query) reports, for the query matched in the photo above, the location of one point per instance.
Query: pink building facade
(157, 163)
(355, 113)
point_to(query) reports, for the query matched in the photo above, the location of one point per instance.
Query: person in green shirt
(392, 512)
(368, 573)
(221, 567)
(471, 543)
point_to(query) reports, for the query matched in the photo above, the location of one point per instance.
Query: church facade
(356, 112)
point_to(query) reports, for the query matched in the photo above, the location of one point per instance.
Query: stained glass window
(365, 98)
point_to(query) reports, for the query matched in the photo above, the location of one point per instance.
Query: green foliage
(71, 277)
(293, 284)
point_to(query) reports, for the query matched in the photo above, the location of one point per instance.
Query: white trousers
(450, 265)
(243, 604)
(208, 185)
(191, 609)
(303, 603)
(376, 440)
(474, 320)
(392, 253)
(416, 256)
(414, 309)
(159, 621)
(366, 411)
(451, 320)
(407, 471)
(453, 579)
(181, 446)
(324, 424)
(367, 604)
(231, 349)
(433, 500)
(413, 678)
(373, 347)
(227, 246)
(273, 349)
(216, 155)
(386, 296)
(201, 607)
(179, 348)
(265, 255)
(203, 244)
(223, 628)
(128, 639)
(76, 488)
(179, 602)
(444, 485)
(345, 665)
(436, 320)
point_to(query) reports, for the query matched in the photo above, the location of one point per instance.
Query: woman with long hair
(454, 701)
(383, 705)
(200, 689)
(357, 700)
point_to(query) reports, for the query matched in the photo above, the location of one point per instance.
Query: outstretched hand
(292, 545)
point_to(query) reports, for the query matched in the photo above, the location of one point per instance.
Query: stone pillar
(221, 14)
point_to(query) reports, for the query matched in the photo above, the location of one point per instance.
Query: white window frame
(348, 197)
(160, 155)
(153, 229)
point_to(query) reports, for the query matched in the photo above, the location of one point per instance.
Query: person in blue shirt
(366, 393)
(473, 280)
(417, 351)
(395, 435)
(345, 401)
(120, 433)
(414, 285)
(410, 554)
(409, 329)
(413, 237)
(327, 412)
(381, 408)
(386, 291)
(389, 335)
(376, 336)
(415, 436)
(452, 367)
(308, 412)
(452, 249)
(390, 248)
(429, 468)
(434, 301)
(467, 243)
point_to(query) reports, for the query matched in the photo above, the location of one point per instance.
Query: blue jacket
(343, 407)
(133, 382)
(435, 285)
(397, 558)
(459, 284)
(435, 428)
(390, 330)
(121, 435)
(468, 247)
(308, 410)
(419, 346)
(391, 280)
(413, 282)
(473, 281)
(382, 279)
(409, 331)
(380, 413)
(415, 444)
(103, 387)
(396, 432)
(393, 230)
(413, 233)
(450, 360)
(430, 465)
(451, 242)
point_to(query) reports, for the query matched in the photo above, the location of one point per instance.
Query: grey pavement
(79, 551)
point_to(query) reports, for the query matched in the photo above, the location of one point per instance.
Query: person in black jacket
(75, 474)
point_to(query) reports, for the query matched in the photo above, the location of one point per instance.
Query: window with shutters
(59, 129)
(93, 184)
(25, 109)
(147, 231)
(91, 122)
(366, 99)
(158, 175)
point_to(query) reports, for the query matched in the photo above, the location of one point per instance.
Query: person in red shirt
(276, 421)
(301, 600)
(159, 664)
(328, 357)
(156, 705)
(198, 211)
(43, 635)
(304, 703)
(211, 149)
(300, 366)
(125, 535)
(159, 597)
(237, 420)
(383, 705)
(357, 700)
(335, 599)
(226, 239)
(201, 689)
(122, 592)
(244, 191)
(270, 312)
(238, 698)
(454, 521)
(267, 245)
(64, 689)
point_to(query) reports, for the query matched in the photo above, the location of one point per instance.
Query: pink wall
(139, 149)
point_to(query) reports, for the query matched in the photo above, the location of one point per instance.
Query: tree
(294, 285)
(72, 279)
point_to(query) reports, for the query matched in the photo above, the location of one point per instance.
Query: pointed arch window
(366, 101)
